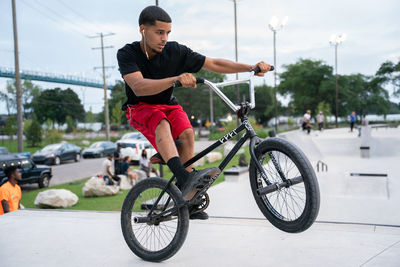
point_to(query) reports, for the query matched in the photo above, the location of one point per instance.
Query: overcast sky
(53, 34)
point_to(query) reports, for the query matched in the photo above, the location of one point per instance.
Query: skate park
(358, 222)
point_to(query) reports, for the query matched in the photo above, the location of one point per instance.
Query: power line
(62, 16)
(77, 30)
(98, 28)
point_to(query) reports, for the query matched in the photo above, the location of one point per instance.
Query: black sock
(175, 165)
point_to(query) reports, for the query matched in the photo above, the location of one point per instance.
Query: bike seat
(157, 159)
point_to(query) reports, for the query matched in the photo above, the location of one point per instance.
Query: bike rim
(151, 237)
(287, 203)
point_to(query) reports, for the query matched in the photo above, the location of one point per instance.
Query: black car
(30, 172)
(57, 153)
(99, 149)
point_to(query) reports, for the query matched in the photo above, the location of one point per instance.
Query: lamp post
(274, 26)
(335, 40)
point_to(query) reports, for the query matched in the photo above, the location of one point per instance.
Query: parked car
(134, 135)
(3, 151)
(99, 149)
(133, 148)
(30, 172)
(57, 153)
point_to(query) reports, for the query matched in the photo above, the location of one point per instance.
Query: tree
(71, 124)
(34, 133)
(29, 91)
(308, 83)
(389, 72)
(264, 109)
(56, 104)
(116, 115)
(10, 128)
(117, 98)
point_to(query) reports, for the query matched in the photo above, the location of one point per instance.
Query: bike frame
(242, 110)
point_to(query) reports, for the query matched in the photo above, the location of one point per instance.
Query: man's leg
(165, 142)
(186, 150)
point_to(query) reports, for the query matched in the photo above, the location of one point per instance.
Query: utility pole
(236, 51)
(335, 41)
(103, 67)
(156, 2)
(17, 81)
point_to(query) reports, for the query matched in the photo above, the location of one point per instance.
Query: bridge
(54, 78)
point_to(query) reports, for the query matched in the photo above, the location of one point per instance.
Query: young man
(10, 192)
(307, 121)
(118, 159)
(106, 170)
(150, 68)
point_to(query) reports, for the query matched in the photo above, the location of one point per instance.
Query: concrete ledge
(235, 174)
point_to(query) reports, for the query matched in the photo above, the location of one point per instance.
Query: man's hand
(264, 67)
(187, 80)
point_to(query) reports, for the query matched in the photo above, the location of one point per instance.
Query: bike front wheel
(159, 235)
(291, 200)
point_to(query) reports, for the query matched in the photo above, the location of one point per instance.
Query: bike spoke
(286, 203)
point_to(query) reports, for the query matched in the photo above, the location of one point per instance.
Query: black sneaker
(197, 181)
(202, 215)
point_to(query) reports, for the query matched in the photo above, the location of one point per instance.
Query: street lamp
(276, 25)
(336, 40)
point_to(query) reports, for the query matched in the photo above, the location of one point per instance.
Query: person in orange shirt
(10, 192)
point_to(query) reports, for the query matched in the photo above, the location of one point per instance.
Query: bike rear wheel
(293, 207)
(154, 239)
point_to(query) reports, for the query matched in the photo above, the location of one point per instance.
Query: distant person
(352, 119)
(364, 122)
(106, 172)
(10, 192)
(307, 122)
(320, 120)
(145, 164)
(118, 160)
(125, 170)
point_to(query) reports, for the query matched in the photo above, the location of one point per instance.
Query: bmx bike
(155, 217)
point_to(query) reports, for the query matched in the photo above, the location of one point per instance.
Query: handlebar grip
(257, 69)
(178, 83)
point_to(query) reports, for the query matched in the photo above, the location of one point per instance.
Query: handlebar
(178, 83)
(214, 87)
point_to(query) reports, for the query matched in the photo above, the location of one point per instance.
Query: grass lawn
(109, 203)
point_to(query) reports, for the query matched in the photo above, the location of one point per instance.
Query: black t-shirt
(174, 60)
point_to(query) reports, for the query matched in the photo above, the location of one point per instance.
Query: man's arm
(109, 171)
(6, 207)
(227, 66)
(143, 87)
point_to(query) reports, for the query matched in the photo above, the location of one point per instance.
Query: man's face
(156, 35)
(17, 175)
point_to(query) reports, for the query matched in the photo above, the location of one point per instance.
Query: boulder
(125, 182)
(214, 156)
(96, 187)
(56, 198)
(141, 174)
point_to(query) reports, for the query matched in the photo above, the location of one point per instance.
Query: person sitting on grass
(125, 170)
(107, 173)
(145, 164)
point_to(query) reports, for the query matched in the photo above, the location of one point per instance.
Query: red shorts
(145, 117)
